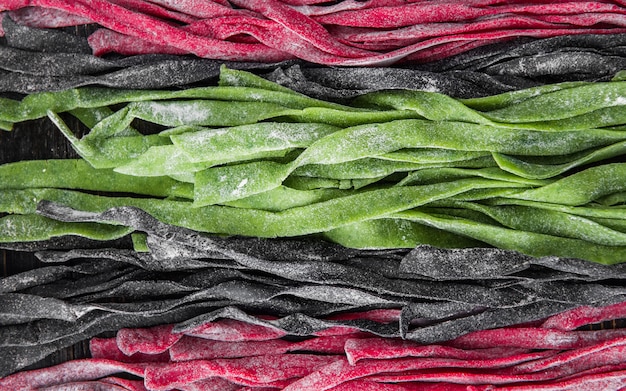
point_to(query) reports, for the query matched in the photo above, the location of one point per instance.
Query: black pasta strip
(155, 286)
(561, 65)
(145, 261)
(568, 292)
(66, 289)
(485, 56)
(49, 274)
(392, 269)
(342, 84)
(43, 40)
(18, 308)
(487, 263)
(165, 255)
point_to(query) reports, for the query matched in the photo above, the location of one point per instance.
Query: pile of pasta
(441, 209)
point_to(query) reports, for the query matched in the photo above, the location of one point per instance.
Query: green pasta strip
(240, 142)
(591, 211)
(432, 155)
(563, 103)
(429, 105)
(500, 101)
(108, 152)
(78, 174)
(534, 244)
(550, 222)
(31, 227)
(524, 168)
(309, 183)
(444, 174)
(163, 160)
(395, 233)
(356, 169)
(283, 198)
(582, 187)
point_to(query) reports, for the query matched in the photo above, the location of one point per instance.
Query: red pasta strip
(534, 338)
(585, 315)
(86, 386)
(200, 8)
(104, 41)
(384, 348)
(154, 10)
(152, 340)
(302, 25)
(366, 385)
(341, 371)
(106, 348)
(304, 2)
(607, 353)
(337, 330)
(260, 370)
(438, 12)
(132, 385)
(212, 384)
(403, 15)
(588, 19)
(272, 35)
(191, 348)
(334, 344)
(471, 378)
(595, 371)
(412, 34)
(71, 371)
(259, 389)
(232, 331)
(39, 17)
(604, 381)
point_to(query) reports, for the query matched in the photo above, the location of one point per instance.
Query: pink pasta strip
(106, 348)
(303, 26)
(68, 372)
(384, 348)
(259, 370)
(39, 17)
(232, 330)
(534, 338)
(152, 340)
(581, 316)
(342, 371)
